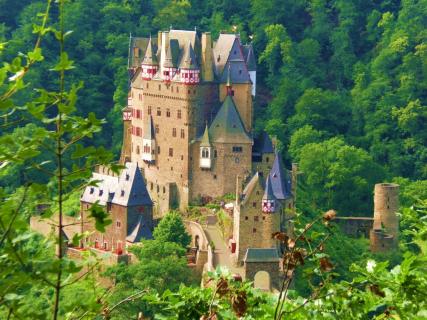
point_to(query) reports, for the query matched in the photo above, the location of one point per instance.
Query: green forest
(341, 85)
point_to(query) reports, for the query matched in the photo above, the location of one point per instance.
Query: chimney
(207, 72)
(164, 45)
(159, 40)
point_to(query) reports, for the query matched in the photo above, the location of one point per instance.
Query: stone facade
(180, 87)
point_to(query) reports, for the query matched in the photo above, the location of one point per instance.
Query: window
(267, 159)
(214, 176)
(159, 112)
(160, 87)
(149, 110)
(168, 113)
(164, 190)
(157, 128)
(147, 82)
(254, 204)
(215, 153)
(138, 131)
(118, 224)
(205, 153)
(179, 114)
(151, 186)
(256, 218)
(138, 114)
(137, 149)
(122, 193)
(127, 177)
(101, 192)
(92, 190)
(170, 152)
(253, 230)
(263, 218)
(158, 149)
(237, 149)
(182, 133)
(174, 132)
(246, 218)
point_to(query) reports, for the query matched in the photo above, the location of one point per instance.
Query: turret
(205, 151)
(268, 200)
(149, 64)
(149, 142)
(189, 70)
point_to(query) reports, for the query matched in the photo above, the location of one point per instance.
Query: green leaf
(64, 63)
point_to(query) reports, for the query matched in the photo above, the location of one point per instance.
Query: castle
(188, 123)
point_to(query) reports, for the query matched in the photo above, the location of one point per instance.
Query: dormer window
(122, 193)
(127, 176)
(101, 192)
(92, 190)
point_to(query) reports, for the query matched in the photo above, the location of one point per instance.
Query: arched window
(205, 153)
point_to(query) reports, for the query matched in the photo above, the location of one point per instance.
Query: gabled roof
(137, 229)
(268, 193)
(263, 143)
(261, 255)
(188, 60)
(149, 129)
(150, 55)
(127, 189)
(227, 127)
(280, 180)
(205, 142)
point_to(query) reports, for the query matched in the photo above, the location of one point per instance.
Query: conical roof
(280, 180)
(149, 129)
(227, 125)
(188, 60)
(169, 59)
(205, 142)
(268, 193)
(250, 59)
(150, 56)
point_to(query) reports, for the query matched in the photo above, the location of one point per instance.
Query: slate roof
(280, 179)
(263, 143)
(268, 193)
(150, 57)
(127, 189)
(137, 228)
(221, 51)
(248, 52)
(261, 255)
(149, 129)
(227, 126)
(141, 44)
(188, 60)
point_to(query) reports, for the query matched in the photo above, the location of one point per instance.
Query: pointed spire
(205, 138)
(150, 57)
(188, 60)
(280, 180)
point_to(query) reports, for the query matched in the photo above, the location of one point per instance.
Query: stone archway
(262, 280)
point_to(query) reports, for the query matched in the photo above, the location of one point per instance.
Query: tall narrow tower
(125, 155)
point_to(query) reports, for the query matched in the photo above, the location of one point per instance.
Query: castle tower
(125, 155)
(385, 232)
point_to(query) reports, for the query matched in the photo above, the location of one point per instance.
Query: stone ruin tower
(385, 232)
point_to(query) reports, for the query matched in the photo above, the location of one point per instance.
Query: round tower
(386, 205)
